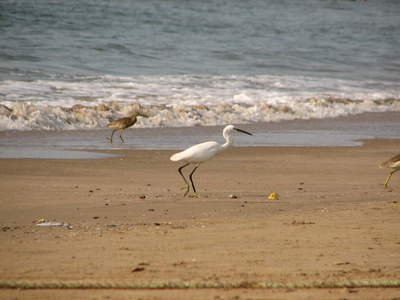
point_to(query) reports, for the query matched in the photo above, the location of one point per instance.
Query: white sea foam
(70, 103)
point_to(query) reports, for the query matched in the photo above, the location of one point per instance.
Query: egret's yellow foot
(187, 190)
(195, 195)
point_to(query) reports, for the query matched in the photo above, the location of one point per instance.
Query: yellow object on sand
(273, 196)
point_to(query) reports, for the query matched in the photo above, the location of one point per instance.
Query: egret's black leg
(187, 184)
(191, 180)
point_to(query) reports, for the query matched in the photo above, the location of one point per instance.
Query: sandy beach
(298, 210)
(333, 232)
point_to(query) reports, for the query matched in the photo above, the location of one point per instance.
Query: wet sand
(68, 144)
(332, 234)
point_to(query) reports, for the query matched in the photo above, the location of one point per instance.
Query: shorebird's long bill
(240, 130)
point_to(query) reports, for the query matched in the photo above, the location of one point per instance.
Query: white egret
(393, 163)
(202, 153)
(123, 123)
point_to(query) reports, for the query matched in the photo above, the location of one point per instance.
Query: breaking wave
(25, 116)
(59, 102)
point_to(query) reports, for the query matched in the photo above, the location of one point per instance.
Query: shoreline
(333, 223)
(345, 131)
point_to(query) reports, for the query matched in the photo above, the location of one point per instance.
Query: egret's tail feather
(176, 157)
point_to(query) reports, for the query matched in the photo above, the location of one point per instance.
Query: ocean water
(92, 144)
(76, 65)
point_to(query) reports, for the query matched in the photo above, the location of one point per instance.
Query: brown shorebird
(122, 124)
(393, 163)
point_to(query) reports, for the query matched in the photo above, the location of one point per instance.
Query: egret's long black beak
(240, 130)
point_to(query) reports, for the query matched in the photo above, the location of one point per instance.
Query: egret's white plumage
(202, 153)
(393, 163)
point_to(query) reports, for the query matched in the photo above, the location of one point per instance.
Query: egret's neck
(228, 143)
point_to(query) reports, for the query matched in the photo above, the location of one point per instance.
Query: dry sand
(332, 234)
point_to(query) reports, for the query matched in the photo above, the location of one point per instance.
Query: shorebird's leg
(387, 180)
(191, 180)
(187, 185)
(120, 136)
(112, 135)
